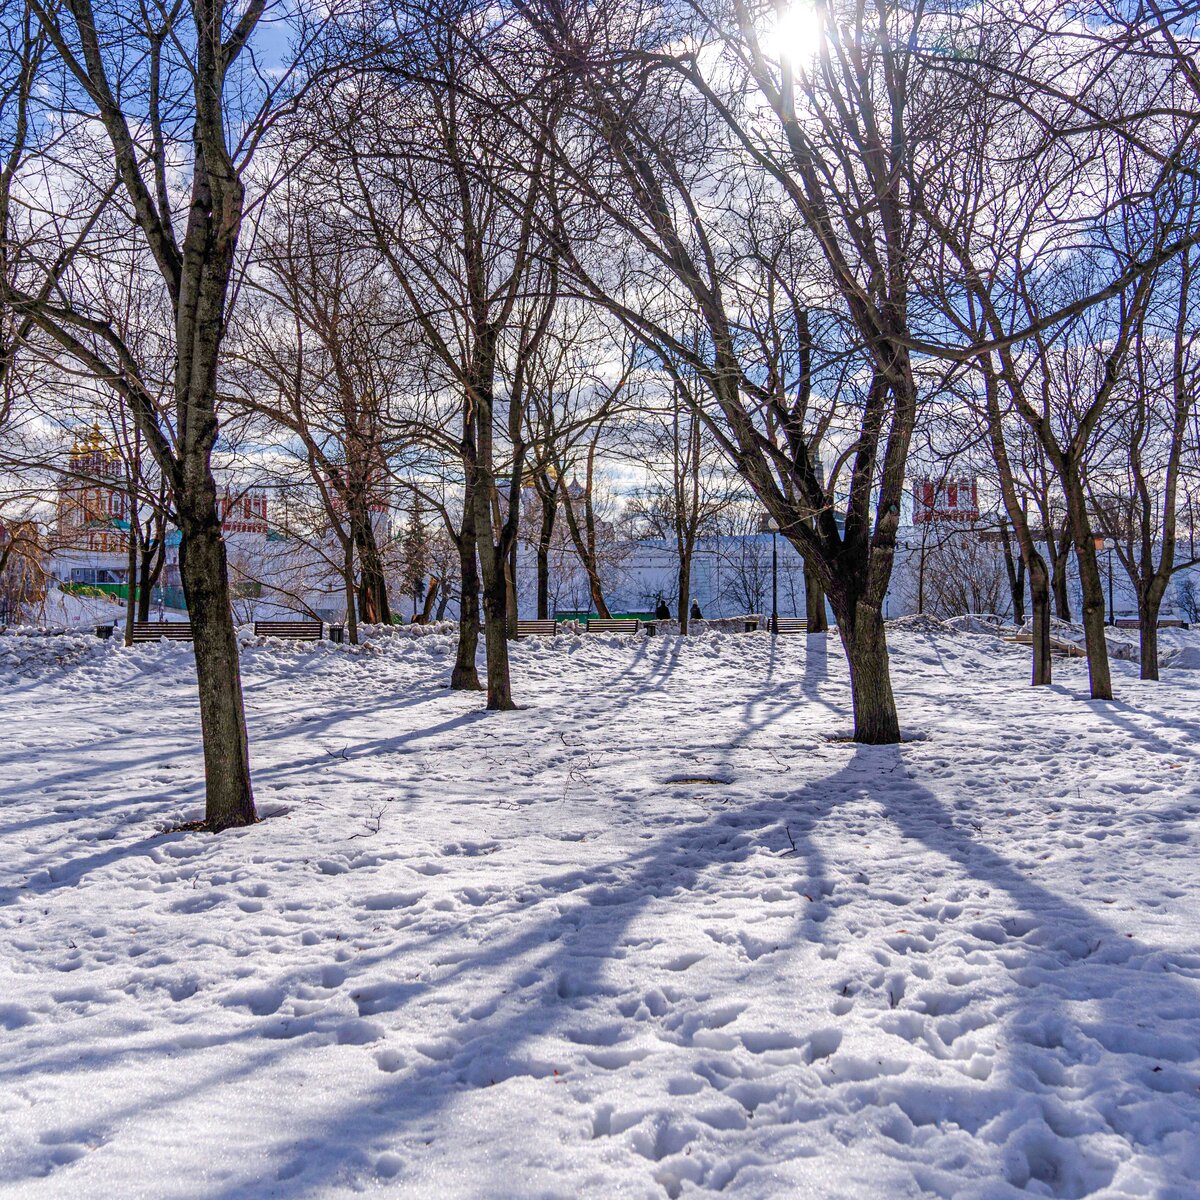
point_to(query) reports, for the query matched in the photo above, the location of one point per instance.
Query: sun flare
(796, 34)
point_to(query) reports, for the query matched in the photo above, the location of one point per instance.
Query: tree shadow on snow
(555, 981)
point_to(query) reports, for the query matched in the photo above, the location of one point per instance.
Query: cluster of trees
(459, 249)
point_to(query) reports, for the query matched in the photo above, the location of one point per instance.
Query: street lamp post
(1108, 545)
(1112, 617)
(773, 526)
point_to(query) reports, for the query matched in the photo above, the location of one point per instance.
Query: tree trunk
(543, 557)
(1150, 600)
(465, 676)
(230, 798)
(131, 567)
(597, 592)
(1062, 601)
(1015, 566)
(510, 596)
(1099, 675)
(495, 595)
(372, 584)
(431, 593)
(348, 583)
(144, 587)
(814, 602)
(1039, 599)
(584, 540)
(876, 722)
(685, 591)
(1060, 560)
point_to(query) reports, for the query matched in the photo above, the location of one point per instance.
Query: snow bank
(1123, 644)
(921, 623)
(986, 623)
(1180, 658)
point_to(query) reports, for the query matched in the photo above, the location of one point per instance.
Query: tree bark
(465, 676)
(1149, 606)
(584, 539)
(814, 602)
(510, 595)
(202, 566)
(860, 625)
(372, 583)
(1015, 567)
(494, 592)
(131, 562)
(1099, 674)
(348, 584)
(431, 593)
(1039, 599)
(543, 558)
(685, 589)
(1060, 560)
(150, 570)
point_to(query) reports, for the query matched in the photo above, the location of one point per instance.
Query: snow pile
(987, 623)
(35, 656)
(433, 629)
(651, 935)
(921, 623)
(1122, 647)
(1180, 658)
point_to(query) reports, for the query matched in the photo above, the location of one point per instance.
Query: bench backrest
(151, 631)
(791, 624)
(1166, 623)
(304, 630)
(603, 625)
(545, 628)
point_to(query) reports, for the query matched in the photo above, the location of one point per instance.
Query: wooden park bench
(789, 624)
(151, 631)
(624, 625)
(304, 630)
(1134, 623)
(545, 628)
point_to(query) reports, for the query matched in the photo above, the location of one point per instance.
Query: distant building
(946, 499)
(243, 512)
(91, 535)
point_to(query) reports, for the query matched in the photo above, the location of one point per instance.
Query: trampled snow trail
(658, 933)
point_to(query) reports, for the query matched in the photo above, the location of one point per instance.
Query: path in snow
(655, 934)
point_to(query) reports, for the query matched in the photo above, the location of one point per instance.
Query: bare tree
(659, 148)
(156, 81)
(321, 355)
(1133, 490)
(691, 485)
(448, 192)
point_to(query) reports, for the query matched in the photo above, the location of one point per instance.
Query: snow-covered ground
(659, 933)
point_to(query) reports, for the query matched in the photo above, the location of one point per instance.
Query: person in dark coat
(662, 612)
(696, 614)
